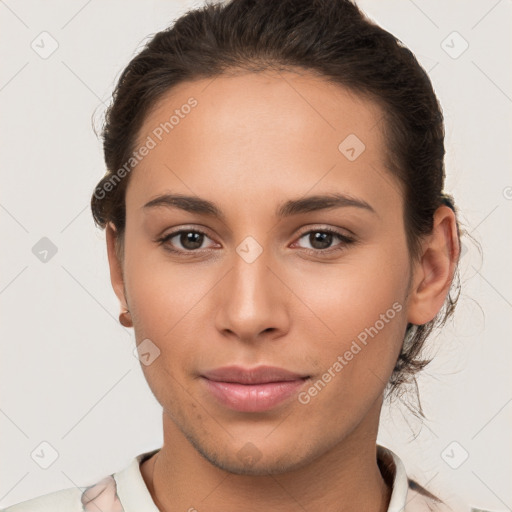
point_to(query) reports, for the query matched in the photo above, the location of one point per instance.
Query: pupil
(323, 239)
(191, 240)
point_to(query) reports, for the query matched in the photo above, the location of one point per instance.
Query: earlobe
(116, 268)
(433, 274)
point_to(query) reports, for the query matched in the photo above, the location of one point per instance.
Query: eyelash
(345, 241)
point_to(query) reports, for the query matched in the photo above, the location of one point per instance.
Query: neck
(345, 478)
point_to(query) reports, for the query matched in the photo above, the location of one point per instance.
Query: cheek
(171, 305)
(351, 295)
(355, 310)
(161, 292)
(361, 318)
(165, 301)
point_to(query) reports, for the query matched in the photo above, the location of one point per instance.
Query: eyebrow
(194, 204)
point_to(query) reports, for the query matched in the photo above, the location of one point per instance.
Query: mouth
(252, 390)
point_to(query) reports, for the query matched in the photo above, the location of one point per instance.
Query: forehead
(249, 131)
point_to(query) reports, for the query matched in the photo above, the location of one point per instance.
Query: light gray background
(68, 373)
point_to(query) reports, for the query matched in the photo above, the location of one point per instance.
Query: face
(300, 262)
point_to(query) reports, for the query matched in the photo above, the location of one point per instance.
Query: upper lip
(258, 375)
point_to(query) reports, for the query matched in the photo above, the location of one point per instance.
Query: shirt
(126, 491)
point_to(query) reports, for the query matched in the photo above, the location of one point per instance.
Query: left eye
(321, 239)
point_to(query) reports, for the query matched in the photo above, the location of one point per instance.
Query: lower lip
(253, 397)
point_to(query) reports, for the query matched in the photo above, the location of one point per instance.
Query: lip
(258, 375)
(252, 389)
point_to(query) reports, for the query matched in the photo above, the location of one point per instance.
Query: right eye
(191, 240)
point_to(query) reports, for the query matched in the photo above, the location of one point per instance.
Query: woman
(280, 240)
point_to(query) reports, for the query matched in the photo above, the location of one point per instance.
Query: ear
(433, 274)
(115, 264)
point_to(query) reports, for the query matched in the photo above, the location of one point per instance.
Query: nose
(252, 301)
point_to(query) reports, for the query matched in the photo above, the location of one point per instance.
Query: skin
(253, 142)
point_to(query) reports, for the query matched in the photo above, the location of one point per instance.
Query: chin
(245, 458)
(264, 466)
